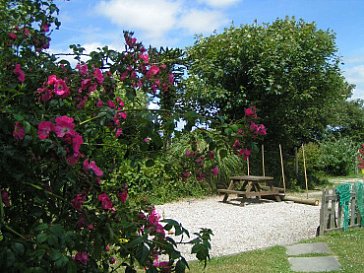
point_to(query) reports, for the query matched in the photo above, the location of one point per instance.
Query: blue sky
(174, 23)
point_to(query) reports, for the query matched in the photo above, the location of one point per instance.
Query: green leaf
(35, 270)
(19, 117)
(223, 153)
(180, 266)
(39, 253)
(42, 237)
(55, 255)
(71, 267)
(142, 253)
(18, 248)
(149, 163)
(52, 240)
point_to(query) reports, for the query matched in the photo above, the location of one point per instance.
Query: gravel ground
(237, 229)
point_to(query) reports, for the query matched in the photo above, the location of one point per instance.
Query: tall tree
(289, 69)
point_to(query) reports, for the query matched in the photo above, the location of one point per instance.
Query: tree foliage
(288, 69)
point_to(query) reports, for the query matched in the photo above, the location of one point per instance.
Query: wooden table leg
(247, 189)
(231, 187)
(257, 189)
(271, 188)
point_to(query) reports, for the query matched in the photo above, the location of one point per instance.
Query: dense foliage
(80, 151)
(288, 69)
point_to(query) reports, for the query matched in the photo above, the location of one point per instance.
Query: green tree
(288, 69)
(348, 120)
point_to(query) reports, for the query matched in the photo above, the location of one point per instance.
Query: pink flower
(99, 103)
(144, 58)
(153, 219)
(120, 102)
(85, 83)
(171, 79)
(200, 176)
(165, 87)
(165, 266)
(124, 75)
(77, 141)
(105, 201)
(12, 35)
(215, 170)
(19, 131)
(45, 27)
(236, 144)
(189, 154)
(64, 125)
(82, 68)
(147, 139)
(44, 93)
(44, 129)
(93, 167)
(26, 32)
(118, 132)
(52, 79)
(123, 196)
(81, 222)
(111, 104)
(153, 70)
(82, 102)
(186, 174)
(19, 73)
(82, 257)
(258, 129)
(98, 76)
(5, 198)
(122, 115)
(112, 260)
(130, 41)
(90, 227)
(261, 130)
(98, 172)
(78, 200)
(73, 159)
(200, 161)
(250, 112)
(61, 89)
(157, 82)
(245, 152)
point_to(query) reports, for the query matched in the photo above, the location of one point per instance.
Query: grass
(347, 246)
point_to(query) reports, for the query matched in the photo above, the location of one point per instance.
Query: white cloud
(162, 22)
(350, 60)
(219, 3)
(154, 18)
(201, 21)
(355, 75)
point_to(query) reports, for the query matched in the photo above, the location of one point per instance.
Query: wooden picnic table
(249, 185)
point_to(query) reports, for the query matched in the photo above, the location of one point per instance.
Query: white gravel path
(237, 229)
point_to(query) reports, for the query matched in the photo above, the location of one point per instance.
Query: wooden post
(247, 162)
(263, 166)
(282, 167)
(304, 167)
(296, 160)
(323, 223)
(357, 170)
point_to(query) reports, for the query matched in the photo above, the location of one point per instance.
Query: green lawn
(348, 246)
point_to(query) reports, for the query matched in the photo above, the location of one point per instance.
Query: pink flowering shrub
(64, 131)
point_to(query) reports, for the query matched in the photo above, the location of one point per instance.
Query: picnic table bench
(249, 185)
